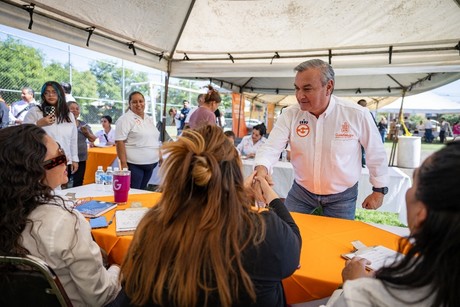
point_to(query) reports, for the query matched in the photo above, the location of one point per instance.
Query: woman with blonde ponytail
(207, 245)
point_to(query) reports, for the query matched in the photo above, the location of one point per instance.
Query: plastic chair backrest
(29, 281)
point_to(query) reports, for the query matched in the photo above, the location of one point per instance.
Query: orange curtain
(270, 116)
(239, 125)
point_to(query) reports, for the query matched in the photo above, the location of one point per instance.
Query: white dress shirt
(326, 151)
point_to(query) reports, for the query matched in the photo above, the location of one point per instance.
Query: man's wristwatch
(383, 190)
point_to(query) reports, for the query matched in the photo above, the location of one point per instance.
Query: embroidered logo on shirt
(303, 129)
(344, 131)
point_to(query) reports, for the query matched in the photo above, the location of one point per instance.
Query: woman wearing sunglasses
(54, 117)
(34, 221)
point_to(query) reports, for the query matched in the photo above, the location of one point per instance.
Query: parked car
(251, 122)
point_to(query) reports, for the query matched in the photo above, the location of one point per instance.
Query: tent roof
(428, 102)
(376, 48)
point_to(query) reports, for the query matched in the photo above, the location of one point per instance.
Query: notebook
(98, 222)
(95, 208)
(379, 256)
(127, 220)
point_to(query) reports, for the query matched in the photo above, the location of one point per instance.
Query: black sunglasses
(53, 162)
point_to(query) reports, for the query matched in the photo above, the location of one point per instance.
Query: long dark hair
(22, 152)
(62, 110)
(433, 251)
(190, 246)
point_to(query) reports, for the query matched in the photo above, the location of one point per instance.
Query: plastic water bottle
(99, 178)
(284, 155)
(108, 179)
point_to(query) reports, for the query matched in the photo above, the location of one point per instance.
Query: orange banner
(239, 125)
(270, 116)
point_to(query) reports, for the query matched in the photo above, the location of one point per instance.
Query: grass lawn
(386, 218)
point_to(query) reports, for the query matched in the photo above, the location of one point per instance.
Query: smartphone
(49, 110)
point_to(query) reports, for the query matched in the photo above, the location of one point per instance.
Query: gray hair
(29, 90)
(326, 69)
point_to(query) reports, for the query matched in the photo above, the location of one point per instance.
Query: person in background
(250, 143)
(183, 115)
(220, 119)
(208, 246)
(231, 136)
(428, 273)
(39, 223)
(4, 113)
(67, 87)
(325, 134)
(456, 130)
(19, 108)
(204, 115)
(175, 119)
(429, 130)
(137, 141)
(383, 127)
(84, 133)
(200, 101)
(421, 128)
(106, 136)
(54, 117)
(445, 130)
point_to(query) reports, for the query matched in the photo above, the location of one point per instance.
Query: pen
(111, 220)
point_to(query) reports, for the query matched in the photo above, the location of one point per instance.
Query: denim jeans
(341, 205)
(140, 174)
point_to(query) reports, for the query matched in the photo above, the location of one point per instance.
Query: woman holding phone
(54, 117)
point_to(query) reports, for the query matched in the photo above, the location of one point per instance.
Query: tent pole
(395, 137)
(239, 117)
(165, 101)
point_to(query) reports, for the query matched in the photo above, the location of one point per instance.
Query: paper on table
(379, 256)
(127, 220)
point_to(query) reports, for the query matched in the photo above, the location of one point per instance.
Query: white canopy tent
(428, 102)
(378, 48)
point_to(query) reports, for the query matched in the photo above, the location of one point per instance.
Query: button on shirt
(326, 151)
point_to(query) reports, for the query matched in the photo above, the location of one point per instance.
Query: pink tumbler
(121, 184)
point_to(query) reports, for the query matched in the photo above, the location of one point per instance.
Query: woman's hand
(356, 268)
(267, 191)
(46, 121)
(74, 167)
(249, 181)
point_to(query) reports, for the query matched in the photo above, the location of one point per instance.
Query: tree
(20, 66)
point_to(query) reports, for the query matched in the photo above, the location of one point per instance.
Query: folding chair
(29, 281)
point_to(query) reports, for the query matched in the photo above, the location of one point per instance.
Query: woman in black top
(204, 244)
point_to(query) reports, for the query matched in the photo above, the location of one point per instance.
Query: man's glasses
(53, 162)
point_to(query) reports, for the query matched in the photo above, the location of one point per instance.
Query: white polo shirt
(141, 138)
(326, 151)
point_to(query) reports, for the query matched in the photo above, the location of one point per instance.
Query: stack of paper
(127, 220)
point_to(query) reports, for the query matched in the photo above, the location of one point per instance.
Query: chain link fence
(100, 83)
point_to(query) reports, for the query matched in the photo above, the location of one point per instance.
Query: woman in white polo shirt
(137, 141)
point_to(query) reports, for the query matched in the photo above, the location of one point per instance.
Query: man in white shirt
(325, 134)
(19, 108)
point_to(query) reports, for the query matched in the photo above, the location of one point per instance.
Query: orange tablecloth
(116, 247)
(324, 240)
(98, 156)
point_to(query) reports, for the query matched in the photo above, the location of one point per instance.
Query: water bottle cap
(109, 168)
(99, 167)
(125, 168)
(116, 169)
